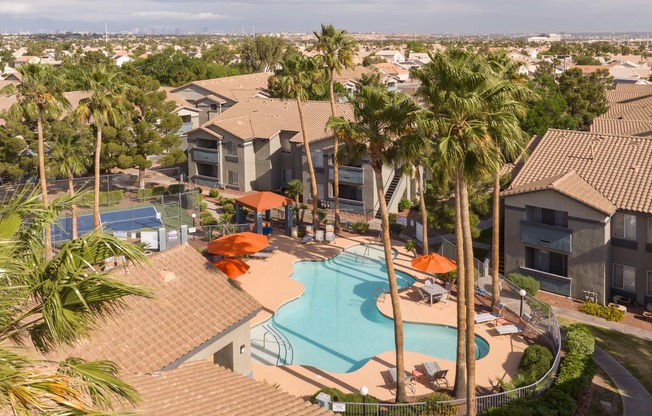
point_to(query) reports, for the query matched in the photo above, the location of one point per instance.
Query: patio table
(433, 290)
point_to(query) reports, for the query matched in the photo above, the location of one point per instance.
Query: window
(286, 175)
(285, 145)
(231, 148)
(624, 277)
(624, 226)
(317, 159)
(649, 283)
(213, 107)
(232, 177)
(547, 216)
(649, 230)
(350, 192)
(546, 261)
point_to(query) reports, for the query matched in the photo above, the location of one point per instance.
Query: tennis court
(122, 220)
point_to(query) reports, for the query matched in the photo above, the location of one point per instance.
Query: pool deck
(269, 282)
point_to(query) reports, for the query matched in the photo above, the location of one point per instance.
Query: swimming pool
(336, 326)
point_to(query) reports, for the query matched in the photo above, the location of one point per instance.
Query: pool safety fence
(543, 323)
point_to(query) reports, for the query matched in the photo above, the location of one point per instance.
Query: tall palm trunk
(336, 173)
(47, 246)
(460, 360)
(495, 244)
(311, 169)
(422, 207)
(401, 395)
(73, 207)
(96, 189)
(141, 178)
(470, 286)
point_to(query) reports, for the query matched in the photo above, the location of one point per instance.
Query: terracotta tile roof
(641, 111)
(624, 93)
(390, 68)
(195, 301)
(233, 88)
(618, 167)
(179, 100)
(262, 118)
(352, 74)
(588, 69)
(202, 388)
(570, 184)
(621, 127)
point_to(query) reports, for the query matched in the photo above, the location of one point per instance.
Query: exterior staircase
(389, 193)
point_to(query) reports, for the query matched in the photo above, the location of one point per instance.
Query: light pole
(522, 292)
(364, 391)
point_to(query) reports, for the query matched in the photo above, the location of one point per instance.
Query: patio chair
(261, 255)
(307, 238)
(424, 296)
(270, 249)
(319, 236)
(428, 282)
(408, 378)
(443, 298)
(514, 329)
(497, 312)
(439, 377)
(330, 233)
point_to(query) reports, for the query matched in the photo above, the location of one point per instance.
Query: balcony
(205, 155)
(185, 127)
(348, 174)
(546, 236)
(232, 158)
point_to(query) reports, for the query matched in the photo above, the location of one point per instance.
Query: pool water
(336, 326)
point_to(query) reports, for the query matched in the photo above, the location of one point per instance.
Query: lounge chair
(270, 249)
(261, 255)
(428, 282)
(330, 233)
(409, 378)
(514, 329)
(439, 377)
(319, 236)
(424, 296)
(307, 238)
(497, 311)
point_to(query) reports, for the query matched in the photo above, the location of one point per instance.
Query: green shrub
(606, 312)
(228, 207)
(530, 284)
(404, 204)
(558, 402)
(440, 409)
(534, 364)
(392, 217)
(579, 340)
(147, 192)
(203, 206)
(206, 218)
(339, 396)
(360, 227)
(410, 246)
(321, 214)
(176, 188)
(114, 196)
(576, 374)
(396, 228)
(214, 193)
(245, 212)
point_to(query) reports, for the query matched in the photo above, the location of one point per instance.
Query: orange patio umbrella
(241, 244)
(232, 267)
(433, 263)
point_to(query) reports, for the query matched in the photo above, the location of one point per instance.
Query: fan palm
(39, 96)
(297, 77)
(337, 49)
(382, 120)
(107, 105)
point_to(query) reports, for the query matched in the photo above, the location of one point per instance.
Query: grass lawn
(633, 353)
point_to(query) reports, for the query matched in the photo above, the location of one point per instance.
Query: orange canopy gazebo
(241, 244)
(433, 263)
(264, 202)
(232, 267)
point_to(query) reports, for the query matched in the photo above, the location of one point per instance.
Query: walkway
(636, 400)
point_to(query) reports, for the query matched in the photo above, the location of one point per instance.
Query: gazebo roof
(262, 201)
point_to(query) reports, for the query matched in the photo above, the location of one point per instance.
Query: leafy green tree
(382, 120)
(263, 53)
(11, 148)
(39, 96)
(372, 59)
(106, 106)
(219, 53)
(51, 303)
(296, 78)
(550, 110)
(585, 94)
(586, 60)
(337, 49)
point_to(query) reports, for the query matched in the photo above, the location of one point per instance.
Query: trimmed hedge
(116, 196)
(147, 192)
(579, 340)
(214, 193)
(177, 188)
(606, 312)
(535, 362)
(339, 396)
(530, 284)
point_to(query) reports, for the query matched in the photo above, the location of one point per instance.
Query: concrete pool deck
(270, 283)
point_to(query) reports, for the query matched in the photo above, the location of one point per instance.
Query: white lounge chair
(261, 255)
(409, 379)
(497, 311)
(330, 233)
(319, 236)
(514, 329)
(270, 249)
(307, 238)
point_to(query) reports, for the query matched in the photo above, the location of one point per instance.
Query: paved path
(636, 400)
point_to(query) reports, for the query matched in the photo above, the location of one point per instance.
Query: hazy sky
(385, 16)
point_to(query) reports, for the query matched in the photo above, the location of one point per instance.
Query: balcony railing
(205, 155)
(185, 127)
(547, 236)
(348, 174)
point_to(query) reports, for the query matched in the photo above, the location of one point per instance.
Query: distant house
(578, 215)
(391, 56)
(121, 59)
(394, 70)
(630, 111)
(26, 59)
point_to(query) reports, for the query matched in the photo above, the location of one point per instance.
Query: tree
(69, 154)
(295, 190)
(297, 76)
(585, 94)
(372, 59)
(219, 53)
(107, 105)
(263, 53)
(337, 49)
(550, 111)
(39, 96)
(53, 303)
(382, 120)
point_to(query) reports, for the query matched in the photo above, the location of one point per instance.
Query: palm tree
(107, 105)
(295, 190)
(337, 49)
(297, 78)
(39, 96)
(69, 152)
(53, 303)
(382, 120)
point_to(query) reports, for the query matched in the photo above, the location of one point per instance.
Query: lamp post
(522, 293)
(364, 391)
(193, 219)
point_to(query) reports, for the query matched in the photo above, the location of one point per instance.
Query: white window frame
(231, 148)
(627, 235)
(648, 291)
(230, 175)
(624, 286)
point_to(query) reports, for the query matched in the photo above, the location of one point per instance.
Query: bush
(147, 192)
(206, 218)
(396, 228)
(321, 214)
(441, 409)
(534, 364)
(203, 206)
(114, 196)
(392, 217)
(410, 246)
(579, 340)
(339, 396)
(404, 204)
(360, 227)
(177, 188)
(576, 374)
(530, 284)
(228, 207)
(214, 193)
(606, 312)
